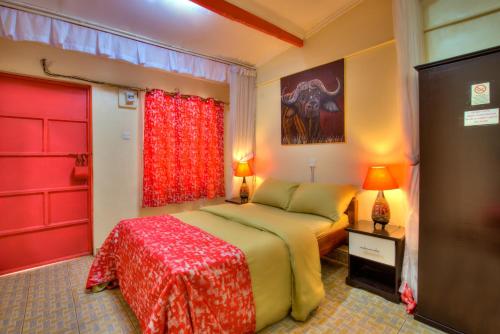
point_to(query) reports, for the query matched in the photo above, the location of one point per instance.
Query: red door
(45, 209)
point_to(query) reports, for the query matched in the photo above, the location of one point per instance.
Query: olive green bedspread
(281, 252)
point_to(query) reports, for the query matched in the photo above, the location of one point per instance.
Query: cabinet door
(459, 251)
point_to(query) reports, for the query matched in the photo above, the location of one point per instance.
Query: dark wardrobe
(459, 237)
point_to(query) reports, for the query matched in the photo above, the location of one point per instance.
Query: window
(183, 149)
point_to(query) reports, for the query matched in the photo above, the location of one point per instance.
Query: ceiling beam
(242, 16)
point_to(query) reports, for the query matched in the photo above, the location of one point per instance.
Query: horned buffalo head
(310, 96)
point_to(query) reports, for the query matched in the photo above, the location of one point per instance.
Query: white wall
(455, 27)
(117, 162)
(364, 37)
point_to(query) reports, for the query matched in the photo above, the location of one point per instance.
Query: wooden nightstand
(235, 200)
(376, 258)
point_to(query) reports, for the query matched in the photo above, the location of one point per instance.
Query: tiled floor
(52, 299)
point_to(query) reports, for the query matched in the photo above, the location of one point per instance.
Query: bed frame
(336, 238)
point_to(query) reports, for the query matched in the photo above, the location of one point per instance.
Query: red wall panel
(21, 211)
(24, 173)
(24, 250)
(21, 135)
(35, 98)
(67, 137)
(68, 206)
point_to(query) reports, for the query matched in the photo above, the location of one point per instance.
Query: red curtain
(183, 149)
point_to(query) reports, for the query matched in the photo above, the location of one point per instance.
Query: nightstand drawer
(372, 248)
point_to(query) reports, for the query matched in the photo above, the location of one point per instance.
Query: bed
(281, 260)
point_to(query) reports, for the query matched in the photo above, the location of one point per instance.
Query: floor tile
(13, 306)
(375, 307)
(91, 306)
(48, 277)
(78, 271)
(53, 299)
(129, 312)
(415, 327)
(60, 321)
(111, 323)
(10, 325)
(43, 304)
(14, 281)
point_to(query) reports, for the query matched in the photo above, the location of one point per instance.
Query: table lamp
(379, 178)
(242, 170)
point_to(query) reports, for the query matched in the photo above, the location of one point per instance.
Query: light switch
(126, 135)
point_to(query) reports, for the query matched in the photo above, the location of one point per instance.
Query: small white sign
(481, 117)
(127, 99)
(480, 93)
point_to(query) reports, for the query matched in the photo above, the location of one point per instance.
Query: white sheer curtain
(242, 90)
(408, 30)
(22, 26)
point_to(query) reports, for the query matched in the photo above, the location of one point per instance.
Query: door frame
(90, 161)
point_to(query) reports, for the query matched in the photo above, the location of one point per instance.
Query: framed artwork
(312, 105)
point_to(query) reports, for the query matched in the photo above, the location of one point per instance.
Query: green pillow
(275, 193)
(326, 200)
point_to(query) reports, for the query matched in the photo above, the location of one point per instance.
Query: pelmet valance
(23, 26)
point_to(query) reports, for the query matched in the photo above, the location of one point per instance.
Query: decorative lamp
(242, 170)
(379, 178)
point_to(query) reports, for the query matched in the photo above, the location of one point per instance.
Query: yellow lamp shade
(243, 169)
(379, 178)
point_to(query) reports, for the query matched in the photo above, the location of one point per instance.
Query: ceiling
(183, 24)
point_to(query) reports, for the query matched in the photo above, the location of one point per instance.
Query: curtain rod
(109, 84)
(44, 12)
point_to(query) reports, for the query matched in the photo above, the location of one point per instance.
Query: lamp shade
(243, 169)
(379, 178)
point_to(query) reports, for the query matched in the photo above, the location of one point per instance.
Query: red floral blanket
(176, 277)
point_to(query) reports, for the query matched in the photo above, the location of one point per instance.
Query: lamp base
(381, 214)
(379, 222)
(244, 191)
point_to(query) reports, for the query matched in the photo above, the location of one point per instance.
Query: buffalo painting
(312, 105)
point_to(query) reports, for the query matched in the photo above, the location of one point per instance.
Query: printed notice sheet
(481, 117)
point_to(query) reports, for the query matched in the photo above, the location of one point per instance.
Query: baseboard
(42, 263)
(435, 324)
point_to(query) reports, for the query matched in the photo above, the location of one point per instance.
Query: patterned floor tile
(415, 327)
(77, 281)
(129, 312)
(111, 323)
(43, 304)
(13, 295)
(91, 306)
(14, 281)
(10, 325)
(373, 306)
(50, 277)
(55, 301)
(61, 321)
(78, 271)
(13, 305)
